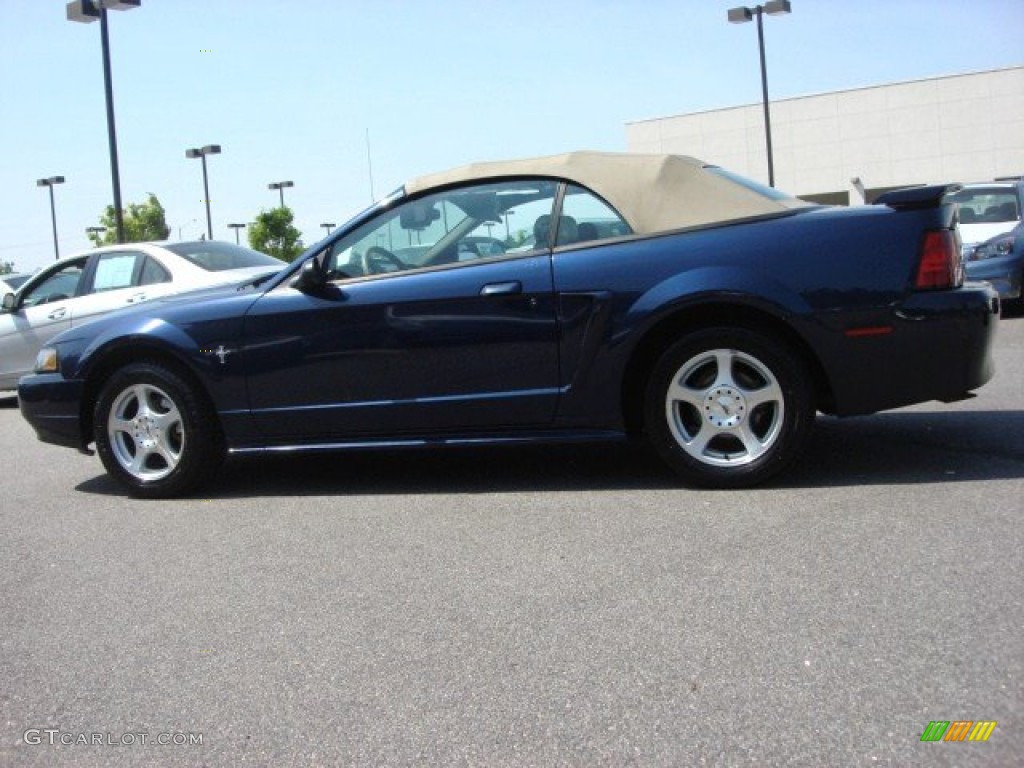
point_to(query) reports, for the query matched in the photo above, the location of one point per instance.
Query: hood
(979, 232)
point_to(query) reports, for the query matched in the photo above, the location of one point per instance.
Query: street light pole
(739, 16)
(237, 227)
(280, 187)
(88, 11)
(115, 172)
(209, 149)
(53, 208)
(328, 226)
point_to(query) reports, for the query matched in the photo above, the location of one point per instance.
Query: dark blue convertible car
(631, 295)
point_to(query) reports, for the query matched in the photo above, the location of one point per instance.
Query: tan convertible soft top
(654, 193)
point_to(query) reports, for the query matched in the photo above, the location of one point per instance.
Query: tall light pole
(88, 11)
(237, 227)
(95, 232)
(209, 149)
(328, 225)
(744, 14)
(280, 186)
(53, 209)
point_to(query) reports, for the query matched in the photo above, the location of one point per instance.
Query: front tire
(728, 407)
(155, 433)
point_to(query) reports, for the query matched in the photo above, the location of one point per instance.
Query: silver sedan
(81, 287)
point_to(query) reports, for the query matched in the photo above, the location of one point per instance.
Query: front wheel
(728, 407)
(154, 433)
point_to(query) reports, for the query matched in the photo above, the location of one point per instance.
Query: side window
(62, 284)
(462, 224)
(115, 270)
(586, 217)
(153, 272)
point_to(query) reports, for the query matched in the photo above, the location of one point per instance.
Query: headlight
(1001, 247)
(46, 361)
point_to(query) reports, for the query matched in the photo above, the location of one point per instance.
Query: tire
(155, 433)
(728, 407)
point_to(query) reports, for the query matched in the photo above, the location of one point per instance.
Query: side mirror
(8, 302)
(311, 278)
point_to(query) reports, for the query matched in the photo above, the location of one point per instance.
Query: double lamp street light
(280, 186)
(88, 11)
(201, 153)
(53, 210)
(744, 14)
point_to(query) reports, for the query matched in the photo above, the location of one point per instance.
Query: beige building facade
(848, 146)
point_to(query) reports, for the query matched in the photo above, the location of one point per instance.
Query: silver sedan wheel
(724, 408)
(146, 432)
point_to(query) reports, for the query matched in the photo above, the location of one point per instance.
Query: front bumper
(52, 406)
(1003, 273)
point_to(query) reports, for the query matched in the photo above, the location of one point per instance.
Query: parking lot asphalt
(526, 607)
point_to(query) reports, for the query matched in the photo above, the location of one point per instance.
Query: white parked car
(78, 288)
(987, 210)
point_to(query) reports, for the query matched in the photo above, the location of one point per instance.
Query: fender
(203, 339)
(730, 283)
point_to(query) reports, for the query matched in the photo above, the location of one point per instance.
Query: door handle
(57, 314)
(137, 297)
(511, 288)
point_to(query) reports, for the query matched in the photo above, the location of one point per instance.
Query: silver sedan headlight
(1002, 246)
(47, 361)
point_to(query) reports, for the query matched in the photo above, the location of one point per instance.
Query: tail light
(940, 266)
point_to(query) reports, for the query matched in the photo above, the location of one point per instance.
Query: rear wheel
(155, 433)
(728, 407)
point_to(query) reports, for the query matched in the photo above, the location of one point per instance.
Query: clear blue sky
(291, 88)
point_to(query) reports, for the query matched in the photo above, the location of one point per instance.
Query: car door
(435, 344)
(118, 279)
(43, 309)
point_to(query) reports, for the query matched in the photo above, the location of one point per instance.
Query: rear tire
(155, 433)
(728, 407)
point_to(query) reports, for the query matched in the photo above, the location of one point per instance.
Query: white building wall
(967, 127)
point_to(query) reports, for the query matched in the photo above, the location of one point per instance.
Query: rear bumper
(938, 346)
(52, 405)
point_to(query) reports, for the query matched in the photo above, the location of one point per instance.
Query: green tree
(142, 222)
(518, 238)
(272, 232)
(6, 267)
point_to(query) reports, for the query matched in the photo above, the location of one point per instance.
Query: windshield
(215, 256)
(987, 205)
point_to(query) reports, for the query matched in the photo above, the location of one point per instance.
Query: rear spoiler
(916, 197)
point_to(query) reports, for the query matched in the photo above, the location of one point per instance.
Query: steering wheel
(377, 260)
